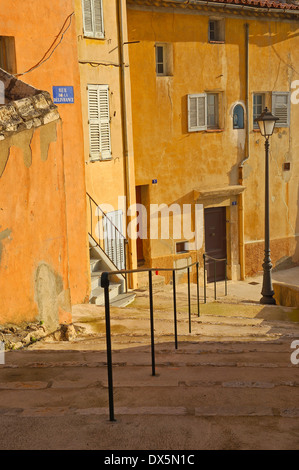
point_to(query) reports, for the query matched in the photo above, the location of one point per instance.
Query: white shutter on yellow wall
(99, 122)
(197, 112)
(98, 18)
(93, 24)
(281, 108)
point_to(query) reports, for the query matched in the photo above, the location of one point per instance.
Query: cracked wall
(34, 273)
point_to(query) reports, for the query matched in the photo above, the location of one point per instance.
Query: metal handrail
(122, 239)
(205, 255)
(105, 285)
(106, 216)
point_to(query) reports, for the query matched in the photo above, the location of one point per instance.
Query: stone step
(123, 300)
(97, 294)
(96, 279)
(95, 264)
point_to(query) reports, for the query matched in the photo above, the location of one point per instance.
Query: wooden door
(215, 241)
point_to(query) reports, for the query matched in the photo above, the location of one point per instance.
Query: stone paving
(229, 385)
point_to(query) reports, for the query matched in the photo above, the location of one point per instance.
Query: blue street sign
(63, 94)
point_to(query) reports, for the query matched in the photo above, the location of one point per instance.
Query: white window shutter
(281, 108)
(87, 17)
(98, 18)
(99, 122)
(93, 24)
(197, 112)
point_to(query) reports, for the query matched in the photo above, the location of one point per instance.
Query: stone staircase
(100, 263)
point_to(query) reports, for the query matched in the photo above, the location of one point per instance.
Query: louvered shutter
(93, 24)
(104, 122)
(98, 18)
(99, 122)
(87, 17)
(281, 108)
(197, 112)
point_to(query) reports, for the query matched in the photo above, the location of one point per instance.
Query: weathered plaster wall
(34, 275)
(35, 27)
(183, 161)
(99, 63)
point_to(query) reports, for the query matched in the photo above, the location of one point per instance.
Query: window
(99, 122)
(182, 247)
(7, 54)
(163, 59)
(281, 108)
(258, 107)
(212, 110)
(93, 24)
(203, 111)
(238, 117)
(216, 30)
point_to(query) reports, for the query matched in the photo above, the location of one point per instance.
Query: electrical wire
(45, 58)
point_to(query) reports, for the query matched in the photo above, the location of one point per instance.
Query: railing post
(152, 321)
(215, 295)
(189, 300)
(226, 277)
(204, 279)
(197, 285)
(174, 310)
(105, 285)
(125, 242)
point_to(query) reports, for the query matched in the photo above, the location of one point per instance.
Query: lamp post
(266, 122)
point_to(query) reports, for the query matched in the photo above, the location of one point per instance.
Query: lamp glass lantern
(266, 122)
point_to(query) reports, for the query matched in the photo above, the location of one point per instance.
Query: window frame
(93, 32)
(8, 60)
(263, 104)
(167, 61)
(219, 30)
(215, 114)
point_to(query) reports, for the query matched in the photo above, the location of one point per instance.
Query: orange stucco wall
(35, 25)
(33, 231)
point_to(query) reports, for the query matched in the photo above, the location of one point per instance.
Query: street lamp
(266, 122)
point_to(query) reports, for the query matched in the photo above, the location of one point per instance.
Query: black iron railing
(215, 260)
(107, 237)
(105, 282)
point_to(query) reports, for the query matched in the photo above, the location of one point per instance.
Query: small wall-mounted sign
(234, 203)
(154, 181)
(63, 94)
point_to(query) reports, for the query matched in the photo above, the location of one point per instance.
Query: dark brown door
(215, 241)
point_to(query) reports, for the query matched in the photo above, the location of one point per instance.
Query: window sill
(94, 160)
(87, 36)
(216, 42)
(209, 131)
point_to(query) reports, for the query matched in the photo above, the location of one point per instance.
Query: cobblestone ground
(229, 385)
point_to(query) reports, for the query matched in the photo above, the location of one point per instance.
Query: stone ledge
(286, 294)
(27, 113)
(25, 107)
